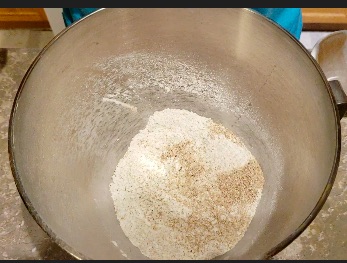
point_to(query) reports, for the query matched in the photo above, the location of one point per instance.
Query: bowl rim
(276, 249)
(315, 50)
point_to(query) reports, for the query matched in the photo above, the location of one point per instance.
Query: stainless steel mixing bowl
(74, 116)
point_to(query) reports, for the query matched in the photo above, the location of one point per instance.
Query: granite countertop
(22, 238)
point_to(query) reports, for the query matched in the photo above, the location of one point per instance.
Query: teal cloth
(71, 15)
(288, 18)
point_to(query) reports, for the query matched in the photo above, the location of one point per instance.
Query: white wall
(55, 19)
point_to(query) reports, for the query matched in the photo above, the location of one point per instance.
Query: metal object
(64, 143)
(331, 54)
(340, 97)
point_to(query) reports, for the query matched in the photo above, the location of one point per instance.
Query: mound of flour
(187, 188)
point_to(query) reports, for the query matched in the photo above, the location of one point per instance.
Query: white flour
(186, 188)
(128, 77)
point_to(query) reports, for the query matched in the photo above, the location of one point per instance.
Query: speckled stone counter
(22, 238)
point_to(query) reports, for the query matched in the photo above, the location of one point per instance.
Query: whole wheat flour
(187, 188)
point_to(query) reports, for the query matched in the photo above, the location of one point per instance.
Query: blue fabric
(72, 15)
(288, 18)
